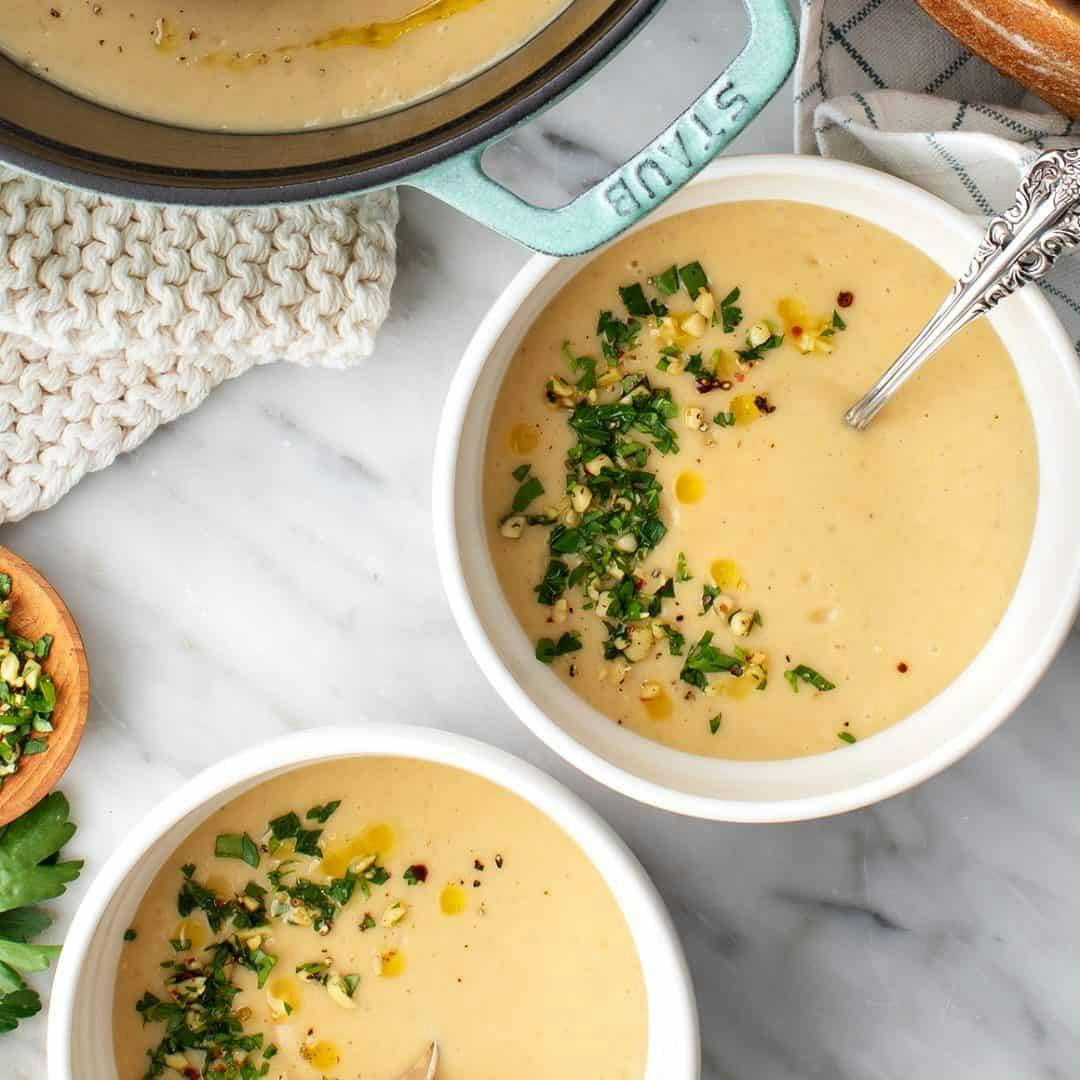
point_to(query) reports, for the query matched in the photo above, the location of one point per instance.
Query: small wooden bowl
(36, 610)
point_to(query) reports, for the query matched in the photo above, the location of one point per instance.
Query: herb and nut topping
(609, 517)
(299, 883)
(27, 692)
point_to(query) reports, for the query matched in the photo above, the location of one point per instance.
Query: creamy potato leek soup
(337, 920)
(264, 65)
(688, 532)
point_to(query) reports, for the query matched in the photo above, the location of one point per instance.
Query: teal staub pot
(676, 155)
(435, 144)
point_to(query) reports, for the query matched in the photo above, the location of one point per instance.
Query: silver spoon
(1019, 246)
(426, 1066)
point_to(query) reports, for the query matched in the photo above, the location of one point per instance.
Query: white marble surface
(932, 936)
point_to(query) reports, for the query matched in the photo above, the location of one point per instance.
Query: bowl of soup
(270, 101)
(681, 568)
(338, 902)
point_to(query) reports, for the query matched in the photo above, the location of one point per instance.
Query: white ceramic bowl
(79, 1033)
(1020, 650)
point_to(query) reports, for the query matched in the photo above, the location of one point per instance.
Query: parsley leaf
(633, 298)
(693, 278)
(547, 650)
(667, 282)
(616, 337)
(236, 846)
(531, 489)
(730, 315)
(18, 1004)
(807, 675)
(321, 814)
(753, 352)
(30, 872)
(705, 659)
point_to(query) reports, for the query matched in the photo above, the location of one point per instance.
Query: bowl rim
(811, 170)
(626, 878)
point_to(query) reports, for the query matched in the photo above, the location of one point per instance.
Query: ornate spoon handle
(1020, 245)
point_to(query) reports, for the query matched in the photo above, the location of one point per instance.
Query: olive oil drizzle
(372, 35)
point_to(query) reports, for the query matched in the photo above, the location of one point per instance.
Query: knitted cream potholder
(118, 316)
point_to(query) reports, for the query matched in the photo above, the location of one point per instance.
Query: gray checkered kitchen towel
(880, 83)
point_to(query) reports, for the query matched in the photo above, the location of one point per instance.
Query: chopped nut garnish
(394, 913)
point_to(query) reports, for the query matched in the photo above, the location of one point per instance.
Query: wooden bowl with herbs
(44, 687)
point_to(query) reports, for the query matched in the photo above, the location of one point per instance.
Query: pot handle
(676, 155)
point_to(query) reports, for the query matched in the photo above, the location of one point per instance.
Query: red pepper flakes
(845, 299)
(902, 667)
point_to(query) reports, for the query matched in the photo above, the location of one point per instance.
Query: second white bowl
(80, 1029)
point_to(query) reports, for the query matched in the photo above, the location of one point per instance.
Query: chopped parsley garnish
(201, 1016)
(520, 473)
(285, 827)
(622, 521)
(837, 323)
(730, 314)
(693, 278)
(667, 282)
(321, 814)
(585, 366)
(633, 298)
(616, 337)
(676, 641)
(709, 593)
(724, 419)
(531, 489)
(846, 736)
(553, 584)
(714, 724)
(547, 650)
(288, 827)
(754, 352)
(237, 846)
(197, 1010)
(681, 572)
(807, 675)
(705, 659)
(194, 895)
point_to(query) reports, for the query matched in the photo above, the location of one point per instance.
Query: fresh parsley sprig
(30, 873)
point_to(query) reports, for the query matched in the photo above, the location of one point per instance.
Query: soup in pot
(264, 65)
